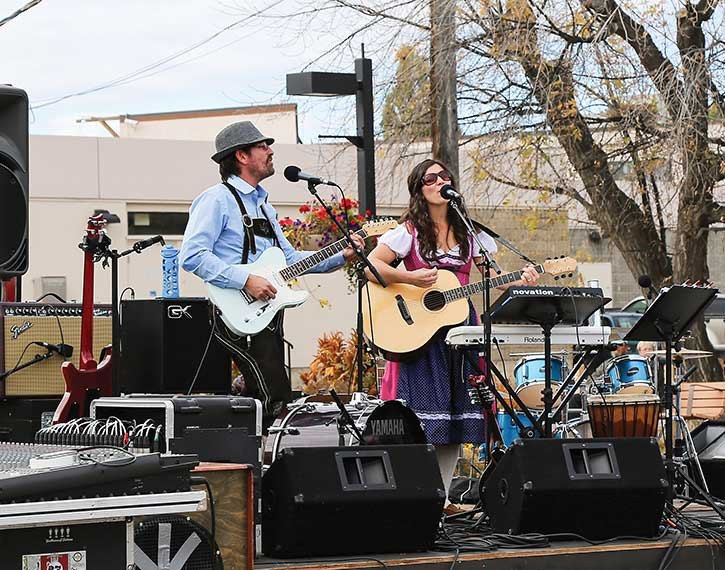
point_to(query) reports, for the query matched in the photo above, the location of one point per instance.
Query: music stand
(547, 307)
(666, 320)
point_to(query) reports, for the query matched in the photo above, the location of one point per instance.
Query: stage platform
(620, 555)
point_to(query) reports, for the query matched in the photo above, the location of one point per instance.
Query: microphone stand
(487, 264)
(37, 358)
(363, 262)
(112, 254)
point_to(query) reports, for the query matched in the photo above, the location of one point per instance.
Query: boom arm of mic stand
(346, 417)
(359, 251)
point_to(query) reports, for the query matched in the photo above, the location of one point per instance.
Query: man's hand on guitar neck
(259, 288)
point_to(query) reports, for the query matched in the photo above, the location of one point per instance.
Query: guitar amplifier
(25, 323)
(164, 342)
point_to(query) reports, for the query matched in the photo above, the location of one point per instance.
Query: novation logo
(17, 330)
(178, 312)
(529, 291)
(58, 534)
(388, 427)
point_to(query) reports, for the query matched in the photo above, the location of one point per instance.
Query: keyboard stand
(546, 311)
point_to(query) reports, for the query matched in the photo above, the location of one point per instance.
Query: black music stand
(666, 320)
(543, 307)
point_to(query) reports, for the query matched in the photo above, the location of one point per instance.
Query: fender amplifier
(23, 324)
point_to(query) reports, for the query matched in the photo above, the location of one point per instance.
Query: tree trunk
(444, 107)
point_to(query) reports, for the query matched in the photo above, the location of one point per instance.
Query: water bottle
(170, 267)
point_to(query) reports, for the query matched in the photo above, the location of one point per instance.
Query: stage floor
(621, 555)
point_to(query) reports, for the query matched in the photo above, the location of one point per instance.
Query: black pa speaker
(13, 181)
(596, 488)
(327, 501)
(163, 342)
(709, 440)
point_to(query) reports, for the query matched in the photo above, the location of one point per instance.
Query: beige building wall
(73, 176)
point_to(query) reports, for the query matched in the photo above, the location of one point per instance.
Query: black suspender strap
(252, 226)
(247, 223)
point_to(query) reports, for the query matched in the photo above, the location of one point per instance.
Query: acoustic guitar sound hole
(434, 301)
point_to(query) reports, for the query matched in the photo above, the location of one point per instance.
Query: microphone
(449, 193)
(144, 243)
(645, 282)
(65, 350)
(295, 174)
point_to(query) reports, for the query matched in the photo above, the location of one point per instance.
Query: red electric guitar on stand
(90, 380)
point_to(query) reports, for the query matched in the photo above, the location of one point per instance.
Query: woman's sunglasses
(431, 177)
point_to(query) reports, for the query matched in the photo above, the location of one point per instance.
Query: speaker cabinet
(351, 500)
(597, 488)
(709, 440)
(13, 181)
(163, 342)
(25, 323)
(232, 492)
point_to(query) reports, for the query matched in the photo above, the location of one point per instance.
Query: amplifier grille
(18, 330)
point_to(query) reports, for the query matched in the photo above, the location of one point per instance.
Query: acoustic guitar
(403, 317)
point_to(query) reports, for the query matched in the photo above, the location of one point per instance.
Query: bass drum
(314, 424)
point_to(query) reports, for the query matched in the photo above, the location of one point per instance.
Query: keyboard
(529, 335)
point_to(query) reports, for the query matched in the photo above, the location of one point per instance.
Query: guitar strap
(261, 227)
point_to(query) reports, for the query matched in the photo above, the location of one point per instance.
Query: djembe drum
(624, 415)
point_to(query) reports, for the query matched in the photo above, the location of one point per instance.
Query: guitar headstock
(560, 267)
(379, 227)
(95, 238)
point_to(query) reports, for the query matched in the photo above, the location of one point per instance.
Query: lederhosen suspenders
(252, 226)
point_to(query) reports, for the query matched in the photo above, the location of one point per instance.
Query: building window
(153, 223)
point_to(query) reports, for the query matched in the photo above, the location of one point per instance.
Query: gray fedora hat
(236, 136)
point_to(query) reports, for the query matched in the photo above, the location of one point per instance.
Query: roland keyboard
(529, 335)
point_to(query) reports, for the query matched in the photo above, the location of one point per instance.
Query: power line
(19, 11)
(158, 66)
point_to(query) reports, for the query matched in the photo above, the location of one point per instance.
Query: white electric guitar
(245, 315)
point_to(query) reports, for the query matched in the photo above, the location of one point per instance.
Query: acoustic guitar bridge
(403, 308)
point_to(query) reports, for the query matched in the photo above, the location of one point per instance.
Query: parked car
(621, 322)
(714, 319)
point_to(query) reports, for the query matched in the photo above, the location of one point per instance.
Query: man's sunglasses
(431, 177)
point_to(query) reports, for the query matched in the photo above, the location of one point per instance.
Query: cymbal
(685, 353)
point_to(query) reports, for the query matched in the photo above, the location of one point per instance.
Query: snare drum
(624, 415)
(314, 424)
(530, 379)
(630, 374)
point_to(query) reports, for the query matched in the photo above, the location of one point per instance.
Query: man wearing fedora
(230, 224)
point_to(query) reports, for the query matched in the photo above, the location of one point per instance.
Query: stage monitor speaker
(596, 488)
(327, 501)
(709, 440)
(13, 181)
(23, 324)
(163, 342)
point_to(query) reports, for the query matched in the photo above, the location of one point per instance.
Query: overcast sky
(62, 47)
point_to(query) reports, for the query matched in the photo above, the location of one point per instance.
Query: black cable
(203, 356)
(61, 299)
(133, 293)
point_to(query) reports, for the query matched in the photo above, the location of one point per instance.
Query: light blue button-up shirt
(214, 237)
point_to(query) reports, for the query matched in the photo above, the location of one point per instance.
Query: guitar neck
(298, 268)
(465, 291)
(86, 358)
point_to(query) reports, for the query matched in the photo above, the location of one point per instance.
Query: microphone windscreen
(292, 173)
(645, 281)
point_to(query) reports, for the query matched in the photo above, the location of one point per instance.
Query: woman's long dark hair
(418, 214)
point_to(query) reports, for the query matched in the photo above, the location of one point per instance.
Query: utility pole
(444, 107)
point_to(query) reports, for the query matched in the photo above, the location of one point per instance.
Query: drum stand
(690, 453)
